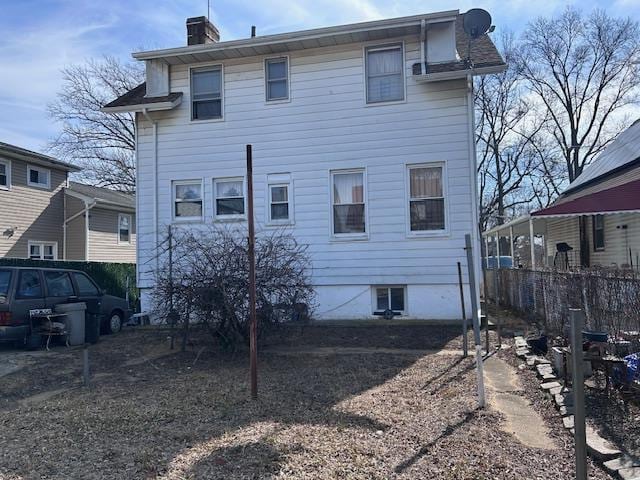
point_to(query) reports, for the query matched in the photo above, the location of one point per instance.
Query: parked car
(23, 289)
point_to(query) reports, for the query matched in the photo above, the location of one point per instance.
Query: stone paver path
(521, 420)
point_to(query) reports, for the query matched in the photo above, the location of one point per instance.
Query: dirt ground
(403, 406)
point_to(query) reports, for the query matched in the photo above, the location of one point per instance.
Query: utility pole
(476, 320)
(253, 328)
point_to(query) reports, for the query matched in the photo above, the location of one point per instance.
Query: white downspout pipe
(154, 124)
(85, 211)
(423, 53)
(532, 246)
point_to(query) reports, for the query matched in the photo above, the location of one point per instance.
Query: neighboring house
(363, 146)
(597, 216)
(44, 214)
(107, 233)
(32, 203)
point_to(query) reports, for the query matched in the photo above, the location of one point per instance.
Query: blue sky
(39, 38)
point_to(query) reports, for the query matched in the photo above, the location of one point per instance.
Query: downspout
(473, 168)
(423, 52)
(64, 221)
(154, 124)
(87, 206)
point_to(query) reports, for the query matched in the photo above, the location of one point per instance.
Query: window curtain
(426, 182)
(348, 199)
(384, 70)
(348, 188)
(229, 189)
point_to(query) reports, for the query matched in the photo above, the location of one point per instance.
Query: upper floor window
(598, 232)
(229, 198)
(348, 202)
(426, 198)
(187, 200)
(385, 73)
(206, 93)
(5, 174)
(124, 228)
(43, 250)
(277, 78)
(38, 177)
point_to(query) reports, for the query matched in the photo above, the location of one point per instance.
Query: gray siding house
(32, 203)
(47, 217)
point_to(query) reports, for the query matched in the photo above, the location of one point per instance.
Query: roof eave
(41, 161)
(455, 74)
(140, 107)
(300, 36)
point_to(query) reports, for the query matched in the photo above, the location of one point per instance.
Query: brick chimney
(200, 30)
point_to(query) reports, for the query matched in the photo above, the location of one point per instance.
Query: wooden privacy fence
(609, 298)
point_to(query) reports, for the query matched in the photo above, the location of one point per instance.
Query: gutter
(423, 53)
(142, 107)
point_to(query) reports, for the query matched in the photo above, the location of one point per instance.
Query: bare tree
(205, 280)
(583, 71)
(507, 138)
(103, 144)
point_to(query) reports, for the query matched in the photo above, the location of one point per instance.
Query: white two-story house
(363, 148)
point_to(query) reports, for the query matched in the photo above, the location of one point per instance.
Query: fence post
(476, 320)
(465, 347)
(577, 323)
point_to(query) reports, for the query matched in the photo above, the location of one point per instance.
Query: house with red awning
(595, 222)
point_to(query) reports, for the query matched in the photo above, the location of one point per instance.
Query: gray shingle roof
(14, 151)
(136, 96)
(104, 195)
(624, 150)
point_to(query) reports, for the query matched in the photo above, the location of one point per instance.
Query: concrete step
(622, 462)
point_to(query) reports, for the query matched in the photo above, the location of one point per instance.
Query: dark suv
(23, 289)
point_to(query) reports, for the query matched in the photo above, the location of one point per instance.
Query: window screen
(426, 199)
(206, 93)
(385, 74)
(348, 202)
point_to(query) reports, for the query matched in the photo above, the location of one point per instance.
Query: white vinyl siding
(277, 79)
(5, 174)
(385, 73)
(207, 86)
(38, 177)
(326, 128)
(187, 200)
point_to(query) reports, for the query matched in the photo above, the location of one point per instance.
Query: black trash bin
(92, 327)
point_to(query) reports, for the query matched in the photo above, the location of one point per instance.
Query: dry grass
(364, 416)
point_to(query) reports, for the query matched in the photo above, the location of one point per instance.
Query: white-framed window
(38, 177)
(43, 250)
(187, 200)
(427, 198)
(276, 78)
(206, 93)
(389, 298)
(229, 198)
(384, 71)
(124, 229)
(5, 174)
(348, 203)
(598, 232)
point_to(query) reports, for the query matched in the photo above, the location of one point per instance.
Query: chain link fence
(609, 298)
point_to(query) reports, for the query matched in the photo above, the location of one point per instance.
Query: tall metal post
(577, 324)
(172, 313)
(476, 320)
(253, 328)
(465, 346)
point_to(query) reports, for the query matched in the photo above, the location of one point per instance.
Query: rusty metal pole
(253, 328)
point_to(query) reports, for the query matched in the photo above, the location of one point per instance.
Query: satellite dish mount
(476, 22)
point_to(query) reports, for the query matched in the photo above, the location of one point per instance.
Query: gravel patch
(188, 415)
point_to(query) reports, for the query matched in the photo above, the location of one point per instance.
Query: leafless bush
(203, 277)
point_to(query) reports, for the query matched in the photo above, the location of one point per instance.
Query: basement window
(389, 298)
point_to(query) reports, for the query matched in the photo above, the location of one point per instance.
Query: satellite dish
(476, 22)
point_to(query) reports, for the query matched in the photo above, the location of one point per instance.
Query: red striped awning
(623, 198)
